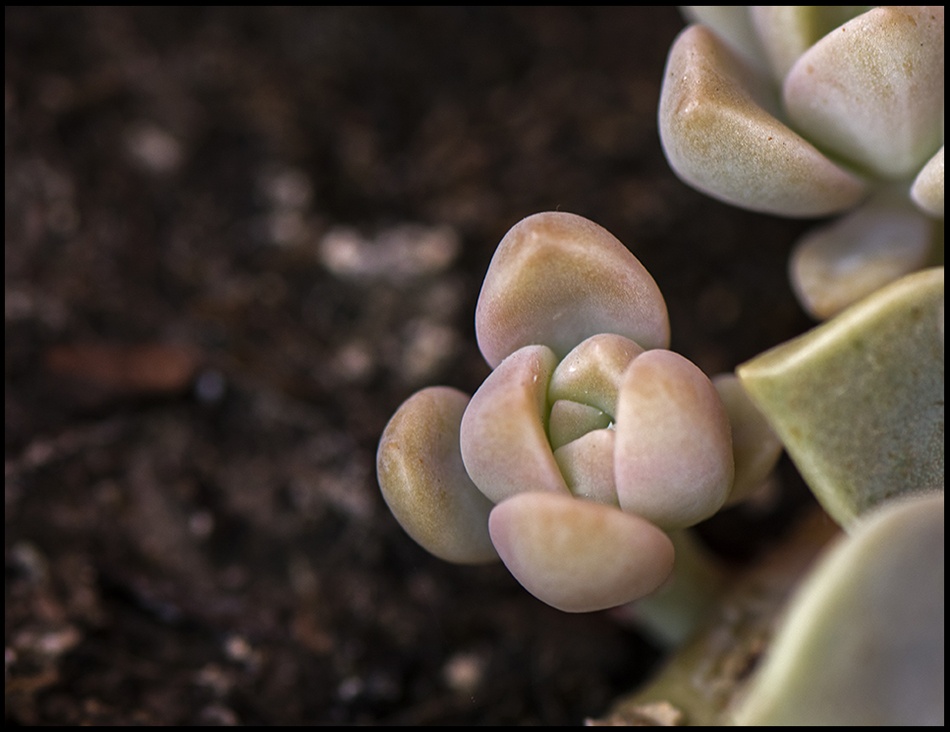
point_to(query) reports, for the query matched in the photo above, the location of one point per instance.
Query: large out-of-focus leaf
(862, 642)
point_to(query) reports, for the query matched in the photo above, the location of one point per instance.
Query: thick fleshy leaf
(755, 446)
(733, 24)
(872, 90)
(673, 459)
(587, 465)
(579, 556)
(557, 279)
(503, 433)
(720, 139)
(836, 265)
(787, 31)
(570, 420)
(591, 373)
(863, 641)
(424, 483)
(927, 191)
(858, 400)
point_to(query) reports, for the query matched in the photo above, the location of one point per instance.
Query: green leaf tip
(858, 400)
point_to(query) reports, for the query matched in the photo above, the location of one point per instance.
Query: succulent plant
(812, 111)
(589, 446)
(591, 449)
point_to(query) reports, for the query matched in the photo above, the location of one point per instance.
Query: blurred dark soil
(236, 240)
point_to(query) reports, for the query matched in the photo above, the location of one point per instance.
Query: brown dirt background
(197, 370)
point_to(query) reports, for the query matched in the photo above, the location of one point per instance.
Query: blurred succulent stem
(699, 682)
(674, 613)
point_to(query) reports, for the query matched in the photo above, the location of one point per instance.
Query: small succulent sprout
(673, 460)
(862, 642)
(858, 401)
(579, 556)
(557, 279)
(423, 480)
(816, 110)
(583, 393)
(583, 446)
(643, 446)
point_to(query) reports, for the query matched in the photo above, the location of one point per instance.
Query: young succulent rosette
(811, 111)
(587, 444)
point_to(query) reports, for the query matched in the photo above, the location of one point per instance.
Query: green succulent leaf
(858, 400)
(862, 642)
(591, 373)
(569, 420)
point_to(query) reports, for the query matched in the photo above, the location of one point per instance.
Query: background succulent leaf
(927, 190)
(858, 400)
(785, 32)
(720, 139)
(755, 446)
(872, 91)
(557, 279)
(733, 24)
(836, 265)
(423, 481)
(579, 556)
(673, 460)
(503, 434)
(863, 640)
